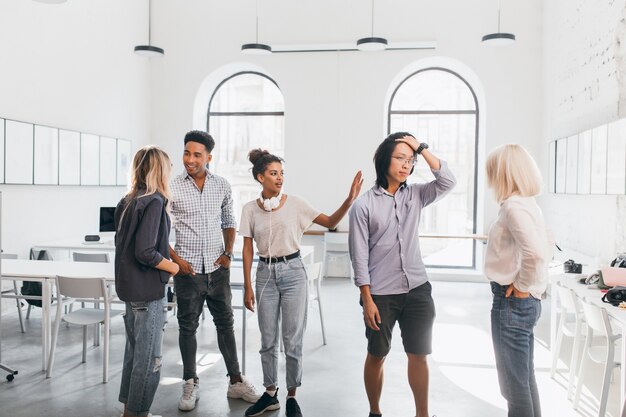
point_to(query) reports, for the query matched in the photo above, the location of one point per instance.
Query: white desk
(46, 271)
(594, 296)
(107, 245)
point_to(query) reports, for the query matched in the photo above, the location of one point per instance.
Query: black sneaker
(292, 408)
(265, 403)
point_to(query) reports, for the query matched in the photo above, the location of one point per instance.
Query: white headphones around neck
(270, 204)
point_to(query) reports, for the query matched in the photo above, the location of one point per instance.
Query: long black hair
(260, 159)
(382, 157)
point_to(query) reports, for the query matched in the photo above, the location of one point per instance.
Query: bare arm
(370, 310)
(333, 220)
(432, 161)
(248, 253)
(185, 267)
(168, 266)
(229, 240)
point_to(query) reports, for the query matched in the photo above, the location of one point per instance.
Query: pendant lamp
(149, 50)
(372, 43)
(499, 38)
(256, 48)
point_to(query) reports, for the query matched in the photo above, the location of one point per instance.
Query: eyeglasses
(409, 161)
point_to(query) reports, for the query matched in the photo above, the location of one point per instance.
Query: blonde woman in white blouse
(516, 262)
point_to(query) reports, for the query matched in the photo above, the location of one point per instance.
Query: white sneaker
(244, 390)
(190, 395)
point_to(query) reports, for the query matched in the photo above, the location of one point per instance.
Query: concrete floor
(463, 377)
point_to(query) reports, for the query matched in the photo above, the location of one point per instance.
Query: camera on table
(571, 267)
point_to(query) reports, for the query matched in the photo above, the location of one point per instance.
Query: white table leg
(45, 323)
(553, 308)
(622, 371)
(243, 331)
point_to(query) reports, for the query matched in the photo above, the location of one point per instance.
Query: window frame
(224, 81)
(476, 112)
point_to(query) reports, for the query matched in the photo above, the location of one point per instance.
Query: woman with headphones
(276, 222)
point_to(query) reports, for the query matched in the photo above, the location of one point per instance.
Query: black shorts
(414, 311)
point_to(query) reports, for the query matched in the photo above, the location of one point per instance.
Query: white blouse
(519, 247)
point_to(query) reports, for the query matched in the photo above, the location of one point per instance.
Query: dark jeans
(512, 323)
(191, 294)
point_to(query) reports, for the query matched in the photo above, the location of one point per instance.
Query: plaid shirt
(199, 217)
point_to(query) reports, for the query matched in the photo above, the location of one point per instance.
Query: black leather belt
(280, 258)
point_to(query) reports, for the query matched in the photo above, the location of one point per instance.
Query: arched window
(440, 108)
(246, 111)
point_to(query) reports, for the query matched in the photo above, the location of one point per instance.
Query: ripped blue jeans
(145, 323)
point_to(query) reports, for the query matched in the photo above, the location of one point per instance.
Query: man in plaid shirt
(204, 223)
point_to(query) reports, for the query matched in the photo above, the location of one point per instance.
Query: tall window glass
(440, 107)
(246, 111)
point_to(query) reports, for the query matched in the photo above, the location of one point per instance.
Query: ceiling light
(256, 48)
(499, 38)
(149, 50)
(372, 43)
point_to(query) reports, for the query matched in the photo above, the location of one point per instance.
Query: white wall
(585, 80)
(335, 102)
(70, 66)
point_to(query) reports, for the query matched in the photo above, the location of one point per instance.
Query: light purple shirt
(383, 238)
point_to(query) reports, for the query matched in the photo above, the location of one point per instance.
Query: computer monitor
(107, 224)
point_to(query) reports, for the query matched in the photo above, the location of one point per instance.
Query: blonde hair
(151, 172)
(512, 171)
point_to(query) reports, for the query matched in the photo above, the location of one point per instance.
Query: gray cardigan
(142, 228)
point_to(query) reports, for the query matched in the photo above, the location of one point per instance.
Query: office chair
(14, 291)
(69, 289)
(90, 257)
(336, 246)
(314, 276)
(598, 323)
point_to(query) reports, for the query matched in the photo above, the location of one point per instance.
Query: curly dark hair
(260, 159)
(201, 137)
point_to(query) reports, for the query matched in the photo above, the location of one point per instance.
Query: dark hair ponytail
(260, 159)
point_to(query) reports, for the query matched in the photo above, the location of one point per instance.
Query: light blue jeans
(512, 329)
(281, 290)
(145, 323)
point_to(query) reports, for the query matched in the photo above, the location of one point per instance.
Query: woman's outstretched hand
(355, 188)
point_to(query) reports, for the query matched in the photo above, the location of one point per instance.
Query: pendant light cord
(499, 7)
(372, 18)
(257, 21)
(149, 19)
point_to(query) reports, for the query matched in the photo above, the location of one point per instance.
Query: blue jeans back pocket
(523, 313)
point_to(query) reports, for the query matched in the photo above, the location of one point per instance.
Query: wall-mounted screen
(108, 161)
(46, 155)
(584, 162)
(571, 172)
(69, 157)
(89, 159)
(18, 152)
(598, 160)
(616, 158)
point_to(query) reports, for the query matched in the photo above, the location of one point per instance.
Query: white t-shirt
(288, 223)
(519, 247)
